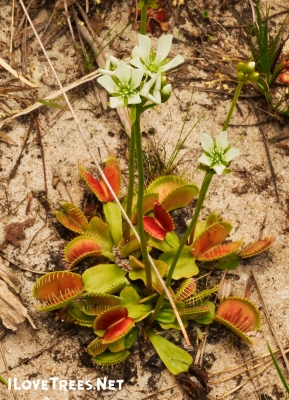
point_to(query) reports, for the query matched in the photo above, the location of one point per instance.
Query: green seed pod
(240, 66)
(249, 68)
(240, 76)
(253, 77)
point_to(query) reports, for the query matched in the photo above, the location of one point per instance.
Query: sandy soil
(246, 197)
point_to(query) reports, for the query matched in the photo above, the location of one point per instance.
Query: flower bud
(253, 77)
(164, 81)
(166, 92)
(240, 76)
(249, 68)
(240, 66)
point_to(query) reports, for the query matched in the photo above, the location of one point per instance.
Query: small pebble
(29, 275)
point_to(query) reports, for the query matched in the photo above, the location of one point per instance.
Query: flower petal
(136, 77)
(172, 64)
(219, 168)
(108, 83)
(136, 62)
(163, 48)
(207, 142)
(134, 99)
(106, 71)
(148, 85)
(117, 101)
(144, 48)
(231, 154)
(205, 160)
(222, 141)
(123, 73)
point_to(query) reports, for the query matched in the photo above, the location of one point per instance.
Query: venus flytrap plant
(103, 297)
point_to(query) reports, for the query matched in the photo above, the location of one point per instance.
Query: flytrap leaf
(159, 225)
(187, 288)
(56, 289)
(128, 247)
(164, 185)
(220, 251)
(215, 234)
(148, 205)
(175, 359)
(240, 315)
(140, 273)
(72, 218)
(257, 247)
(74, 308)
(115, 322)
(180, 197)
(99, 230)
(104, 278)
(99, 187)
(108, 359)
(98, 303)
(81, 247)
(169, 243)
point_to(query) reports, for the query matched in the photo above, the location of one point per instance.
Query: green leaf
(113, 216)
(167, 316)
(3, 380)
(140, 273)
(102, 278)
(285, 383)
(175, 359)
(186, 266)
(228, 264)
(130, 300)
(98, 228)
(51, 104)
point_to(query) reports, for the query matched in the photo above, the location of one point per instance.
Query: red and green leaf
(180, 197)
(212, 236)
(81, 247)
(56, 289)
(164, 185)
(159, 225)
(240, 315)
(108, 359)
(72, 218)
(220, 251)
(257, 247)
(99, 187)
(187, 288)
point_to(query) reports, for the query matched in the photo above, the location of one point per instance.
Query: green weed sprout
(285, 383)
(266, 52)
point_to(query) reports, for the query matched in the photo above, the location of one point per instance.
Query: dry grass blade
(16, 74)
(53, 95)
(104, 177)
(270, 323)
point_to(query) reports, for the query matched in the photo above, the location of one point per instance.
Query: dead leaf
(12, 311)
(15, 232)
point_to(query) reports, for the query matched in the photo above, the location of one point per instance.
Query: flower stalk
(139, 157)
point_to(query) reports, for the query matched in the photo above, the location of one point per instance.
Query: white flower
(154, 62)
(154, 83)
(110, 66)
(123, 85)
(218, 154)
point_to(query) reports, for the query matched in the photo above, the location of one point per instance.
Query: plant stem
(130, 190)
(141, 232)
(234, 102)
(205, 185)
(143, 20)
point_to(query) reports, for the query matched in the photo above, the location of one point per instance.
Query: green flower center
(124, 90)
(217, 156)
